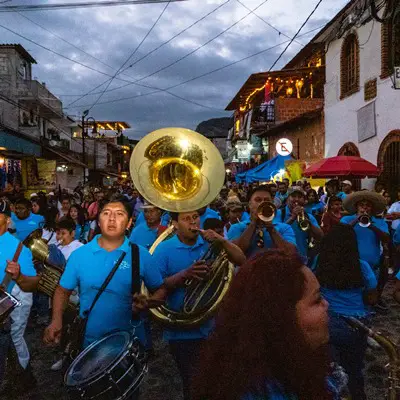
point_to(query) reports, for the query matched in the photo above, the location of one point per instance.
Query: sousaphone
(179, 170)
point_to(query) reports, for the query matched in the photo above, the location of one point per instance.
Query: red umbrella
(355, 167)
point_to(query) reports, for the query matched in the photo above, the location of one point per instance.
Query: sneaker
(382, 305)
(57, 366)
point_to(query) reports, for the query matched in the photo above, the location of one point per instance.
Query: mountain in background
(215, 127)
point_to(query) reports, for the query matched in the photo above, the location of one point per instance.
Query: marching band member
(271, 336)
(206, 213)
(89, 266)
(180, 259)
(22, 272)
(24, 220)
(146, 233)
(369, 238)
(235, 213)
(347, 283)
(253, 235)
(290, 214)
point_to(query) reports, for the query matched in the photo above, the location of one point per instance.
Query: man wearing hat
(347, 189)
(145, 234)
(22, 272)
(369, 238)
(290, 214)
(235, 213)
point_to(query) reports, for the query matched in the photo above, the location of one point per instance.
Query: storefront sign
(243, 150)
(397, 77)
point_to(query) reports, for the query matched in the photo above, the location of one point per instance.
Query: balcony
(34, 94)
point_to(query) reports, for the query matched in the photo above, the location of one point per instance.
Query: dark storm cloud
(111, 34)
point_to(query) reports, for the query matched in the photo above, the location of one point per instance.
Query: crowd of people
(281, 332)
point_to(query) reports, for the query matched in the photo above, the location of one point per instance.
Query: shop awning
(66, 157)
(14, 142)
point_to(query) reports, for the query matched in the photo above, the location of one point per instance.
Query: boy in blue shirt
(254, 235)
(180, 259)
(22, 272)
(24, 220)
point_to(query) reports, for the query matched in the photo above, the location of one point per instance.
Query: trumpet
(266, 211)
(364, 220)
(304, 223)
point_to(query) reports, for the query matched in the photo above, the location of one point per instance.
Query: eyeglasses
(190, 218)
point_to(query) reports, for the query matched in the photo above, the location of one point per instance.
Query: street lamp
(84, 134)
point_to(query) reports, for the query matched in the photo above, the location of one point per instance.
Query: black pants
(186, 355)
(5, 342)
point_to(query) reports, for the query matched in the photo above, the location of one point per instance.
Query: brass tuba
(179, 170)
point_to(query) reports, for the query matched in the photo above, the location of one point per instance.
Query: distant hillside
(215, 127)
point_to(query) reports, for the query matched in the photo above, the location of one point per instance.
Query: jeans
(186, 354)
(19, 320)
(348, 346)
(5, 341)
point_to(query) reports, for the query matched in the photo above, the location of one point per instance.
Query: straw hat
(377, 201)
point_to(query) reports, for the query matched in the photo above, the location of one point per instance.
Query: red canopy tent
(349, 166)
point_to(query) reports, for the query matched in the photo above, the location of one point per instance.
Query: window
(390, 51)
(350, 66)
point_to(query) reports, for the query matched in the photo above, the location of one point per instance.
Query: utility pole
(84, 115)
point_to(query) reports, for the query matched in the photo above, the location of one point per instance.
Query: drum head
(97, 358)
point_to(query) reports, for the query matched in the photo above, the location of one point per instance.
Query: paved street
(163, 382)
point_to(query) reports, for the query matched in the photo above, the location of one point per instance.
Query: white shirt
(69, 248)
(50, 236)
(395, 208)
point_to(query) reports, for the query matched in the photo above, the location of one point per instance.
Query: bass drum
(110, 369)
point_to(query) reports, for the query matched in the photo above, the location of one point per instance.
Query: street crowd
(281, 332)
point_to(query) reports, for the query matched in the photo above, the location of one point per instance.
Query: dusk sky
(104, 39)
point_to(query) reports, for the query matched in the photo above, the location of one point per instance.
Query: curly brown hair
(257, 338)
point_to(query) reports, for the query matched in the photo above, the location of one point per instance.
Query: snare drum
(7, 304)
(110, 369)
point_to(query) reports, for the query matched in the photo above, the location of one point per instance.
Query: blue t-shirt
(245, 216)
(301, 236)
(78, 232)
(24, 227)
(349, 301)
(282, 197)
(209, 213)
(8, 247)
(171, 257)
(143, 235)
(396, 236)
(369, 245)
(88, 267)
(284, 230)
(165, 218)
(315, 208)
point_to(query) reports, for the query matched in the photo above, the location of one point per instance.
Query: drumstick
(8, 277)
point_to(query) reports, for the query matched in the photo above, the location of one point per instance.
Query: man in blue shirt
(21, 271)
(369, 238)
(254, 235)
(145, 234)
(88, 268)
(289, 215)
(282, 193)
(180, 259)
(205, 213)
(24, 220)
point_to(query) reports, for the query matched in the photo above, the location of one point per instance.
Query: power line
(149, 53)
(206, 73)
(39, 7)
(186, 55)
(131, 55)
(267, 23)
(294, 37)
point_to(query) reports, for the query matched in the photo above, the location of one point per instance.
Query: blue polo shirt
(171, 257)
(315, 208)
(245, 216)
(209, 213)
(396, 236)
(143, 235)
(349, 302)
(88, 268)
(284, 230)
(301, 236)
(8, 247)
(24, 227)
(165, 218)
(369, 245)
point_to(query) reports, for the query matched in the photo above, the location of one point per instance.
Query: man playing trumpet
(261, 232)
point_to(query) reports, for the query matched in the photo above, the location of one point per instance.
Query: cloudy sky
(102, 39)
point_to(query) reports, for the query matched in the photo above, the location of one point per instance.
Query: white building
(362, 110)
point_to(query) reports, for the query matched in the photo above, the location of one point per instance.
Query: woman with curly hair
(271, 336)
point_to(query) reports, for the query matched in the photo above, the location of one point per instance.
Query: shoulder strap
(283, 214)
(135, 268)
(105, 283)
(8, 278)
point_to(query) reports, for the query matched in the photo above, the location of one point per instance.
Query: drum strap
(135, 269)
